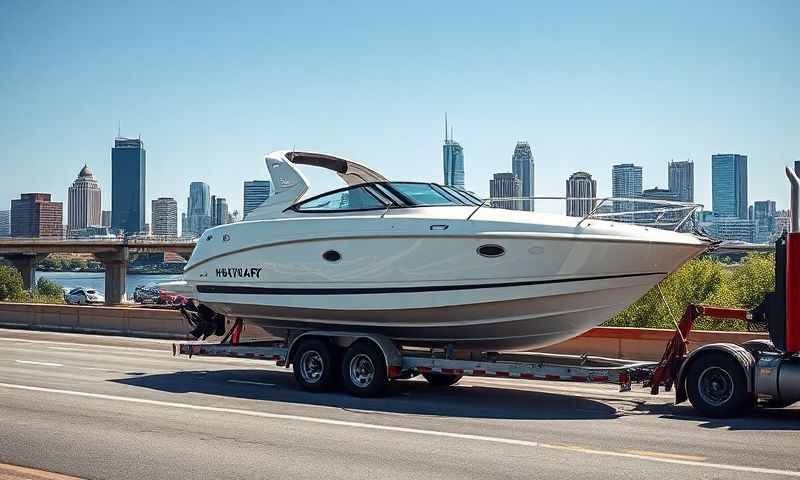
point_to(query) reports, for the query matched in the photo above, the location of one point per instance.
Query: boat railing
(650, 212)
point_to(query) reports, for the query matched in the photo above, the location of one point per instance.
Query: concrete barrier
(616, 342)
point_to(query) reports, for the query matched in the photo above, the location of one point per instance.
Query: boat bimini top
(289, 184)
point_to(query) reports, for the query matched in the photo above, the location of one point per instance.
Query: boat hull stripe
(245, 290)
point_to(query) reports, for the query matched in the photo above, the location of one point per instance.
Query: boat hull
(544, 315)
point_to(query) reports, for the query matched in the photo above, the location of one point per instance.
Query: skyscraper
(453, 160)
(681, 180)
(729, 185)
(127, 185)
(582, 187)
(34, 215)
(219, 211)
(5, 223)
(506, 185)
(626, 179)
(164, 213)
(764, 220)
(84, 202)
(522, 166)
(198, 211)
(255, 193)
(105, 217)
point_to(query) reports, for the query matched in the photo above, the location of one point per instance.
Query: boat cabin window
(353, 198)
(381, 195)
(423, 194)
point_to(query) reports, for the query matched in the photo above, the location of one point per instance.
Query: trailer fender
(738, 353)
(344, 339)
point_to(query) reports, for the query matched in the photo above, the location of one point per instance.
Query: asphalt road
(111, 408)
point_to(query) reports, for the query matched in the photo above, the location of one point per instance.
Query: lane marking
(415, 431)
(44, 364)
(248, 382)
(647, 453)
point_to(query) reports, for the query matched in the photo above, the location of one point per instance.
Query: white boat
(421, 263)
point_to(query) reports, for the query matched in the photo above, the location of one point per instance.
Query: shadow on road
(757, 419)
(406, 397)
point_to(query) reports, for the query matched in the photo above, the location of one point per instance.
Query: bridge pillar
(116, 278)
(26, 264)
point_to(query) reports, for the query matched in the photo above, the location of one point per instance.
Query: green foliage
(48, 292)
(11, 286)
(702, 281)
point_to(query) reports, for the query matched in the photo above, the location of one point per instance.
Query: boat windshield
(381, 195)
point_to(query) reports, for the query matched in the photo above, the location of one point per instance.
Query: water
(97, 280)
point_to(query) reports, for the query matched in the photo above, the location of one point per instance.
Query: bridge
(25, 253)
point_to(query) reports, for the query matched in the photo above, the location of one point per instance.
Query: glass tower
(453, 160)
(626, 179)
(127, 185)
(522, 167)
(255, 193)
(729, 185)
(681, 180)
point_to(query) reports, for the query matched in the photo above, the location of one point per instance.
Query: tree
(11, 285)
(46, 288)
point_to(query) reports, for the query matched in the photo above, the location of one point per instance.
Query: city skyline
(656, 93)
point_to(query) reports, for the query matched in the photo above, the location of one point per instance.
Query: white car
(83, 296)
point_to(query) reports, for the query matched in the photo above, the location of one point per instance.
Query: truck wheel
(314, 365)
(717, 387)
(441, 379)
(364, 370)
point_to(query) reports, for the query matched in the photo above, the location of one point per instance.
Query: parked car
(171, 298)
(146, 294)
(83, 296)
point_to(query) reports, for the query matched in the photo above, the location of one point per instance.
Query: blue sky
(212, 87)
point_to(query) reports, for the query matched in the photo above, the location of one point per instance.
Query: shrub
(707, 281)
(47, 292)
(11, 286)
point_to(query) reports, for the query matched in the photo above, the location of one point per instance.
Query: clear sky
(212, 87)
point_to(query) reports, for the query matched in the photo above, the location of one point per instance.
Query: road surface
(110, 408)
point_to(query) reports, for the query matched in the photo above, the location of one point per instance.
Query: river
(97, 280)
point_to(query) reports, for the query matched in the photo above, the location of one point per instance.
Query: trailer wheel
(364, 370)
(314, 365)
(717, 386)
(441, 379)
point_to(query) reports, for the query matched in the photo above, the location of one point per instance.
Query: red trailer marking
(793, 292)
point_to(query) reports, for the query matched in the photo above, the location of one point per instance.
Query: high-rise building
(581, 192)
(764, 220)
(34, 215)
(505, 185)
(729, 185)
(731, 228)
(198, 211)
(626, 182)
(105, 218)
(128, 185)
(782, 220)
(84, 202)
(164, 213)
(255, 193)
(797, 167)
(5, 223)
(522, 166)
(453, 160)
(681, 180)
(219, 211)
(656, 193)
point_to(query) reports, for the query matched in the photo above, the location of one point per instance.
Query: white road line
(414, 431)
(248, 382)
(45, 364)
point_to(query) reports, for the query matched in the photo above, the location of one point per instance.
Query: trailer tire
(364, 370)
(441, 379)
(717, 386)
(314, 365)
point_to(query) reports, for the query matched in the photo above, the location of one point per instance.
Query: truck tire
(717, 386)
(314, 365)
(441, 379)
(364, 370)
